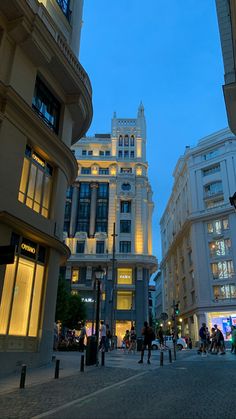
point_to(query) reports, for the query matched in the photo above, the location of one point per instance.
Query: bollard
(174, 352)
(57, 368)
(82, 363)
(161, 359)
(103, 358)
(22, 376)
(170, 356)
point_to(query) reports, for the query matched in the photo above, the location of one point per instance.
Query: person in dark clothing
(161, 338)
(148, 336)
(203, 338)
(220, 343)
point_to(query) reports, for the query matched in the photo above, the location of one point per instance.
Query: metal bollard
(161, 359)
(170, 356)
(103, 358)
(22, 376)
(57, 368)
(175, 352)
(82, 363)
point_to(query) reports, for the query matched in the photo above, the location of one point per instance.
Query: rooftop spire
(141, 110)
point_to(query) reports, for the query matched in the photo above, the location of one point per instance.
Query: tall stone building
(198, 236)
(112, 191)
(45, 106)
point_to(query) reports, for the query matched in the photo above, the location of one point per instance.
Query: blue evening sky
(167, 54)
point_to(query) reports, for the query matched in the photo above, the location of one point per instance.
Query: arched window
(126, 142)
(120, 141)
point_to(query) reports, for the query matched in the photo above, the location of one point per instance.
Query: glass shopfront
(224, 321)
(22, 289)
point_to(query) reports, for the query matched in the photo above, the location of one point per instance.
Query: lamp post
(232, 200)
(99, 272)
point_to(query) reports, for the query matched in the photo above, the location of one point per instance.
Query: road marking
(82, 399)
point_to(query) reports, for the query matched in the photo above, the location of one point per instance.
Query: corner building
(198, 237)
(112, 189)
(46, 106)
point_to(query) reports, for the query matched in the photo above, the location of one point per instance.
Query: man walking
(148, 336)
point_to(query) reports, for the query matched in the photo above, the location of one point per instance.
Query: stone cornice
(20, 114)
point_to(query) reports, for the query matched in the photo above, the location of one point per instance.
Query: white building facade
(112, 191)
(198, 236)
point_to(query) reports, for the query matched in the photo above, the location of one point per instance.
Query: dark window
(125, 247)
(90, 152)
(126, 142)
(120, 141)
(83, 226)
(120, 154)
(101, 226)
(125, 226)
(125, 206)
(69, 192)
(103, 171)
(65, 7)
(132, 140)
(80, 247)
(102, 209)
(126, 154)
(67, 210)
(85, 170)
(126, 170)
(46, 105)
(107, 153)
(84, 152)
(100, 247)
(84, 190)
(132, 154)
(103, 190)
(84, 209)
(101, 153)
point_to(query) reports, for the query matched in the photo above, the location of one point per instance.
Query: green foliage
(76, 311)
(69, 309)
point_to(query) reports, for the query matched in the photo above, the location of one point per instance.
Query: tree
(62, 301)
(76, 311)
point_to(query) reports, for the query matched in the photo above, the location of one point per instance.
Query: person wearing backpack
(148, 336)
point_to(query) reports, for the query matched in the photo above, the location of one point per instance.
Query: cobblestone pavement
(193, 387)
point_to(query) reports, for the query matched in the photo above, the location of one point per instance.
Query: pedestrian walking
(133, 339)
(108, 338)
(203, 337)
(126, 340)
(103, 333)
(212, 348)
(148, 336)
(220, 343)
(82, 336)
(233, 350)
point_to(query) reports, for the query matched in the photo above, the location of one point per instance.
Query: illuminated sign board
(87, 300)
(28, 248)
(38, 160)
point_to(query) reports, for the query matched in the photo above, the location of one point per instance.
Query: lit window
(124, 276)
(222, 292)
(214, 203)
(218, 226)
(124, 300)
(46, 105)
(22, 291)
(220, 247)
(36, 183)
(75, 276)
(223, 269)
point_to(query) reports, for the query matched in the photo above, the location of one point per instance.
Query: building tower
(112, 189)
(46, 106)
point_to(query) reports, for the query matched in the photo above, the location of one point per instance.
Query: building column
(74, 209)
(93, 203)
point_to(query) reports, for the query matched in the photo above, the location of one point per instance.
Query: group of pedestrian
(129, 340)
(211, 341)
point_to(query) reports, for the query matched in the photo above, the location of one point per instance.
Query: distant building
(158, 303)
(112, 189)
(46, 105)
(198, 236)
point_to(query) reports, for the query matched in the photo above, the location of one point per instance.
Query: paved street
(191, 387)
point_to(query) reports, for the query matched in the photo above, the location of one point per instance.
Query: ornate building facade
(112, 194)
(46, 105)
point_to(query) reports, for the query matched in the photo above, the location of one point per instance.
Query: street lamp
(232, 200)
(99, 272)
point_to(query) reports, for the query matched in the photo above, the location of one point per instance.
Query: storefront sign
(28, 248)
(87, 300)
(38, 160)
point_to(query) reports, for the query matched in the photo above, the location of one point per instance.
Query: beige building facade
(198, 237)
(46, 106)
(112, 190)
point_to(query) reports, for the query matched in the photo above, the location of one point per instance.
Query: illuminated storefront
(224, 321)
(22, 291)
